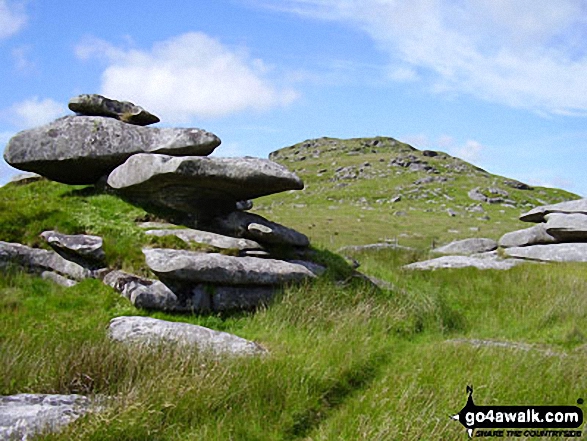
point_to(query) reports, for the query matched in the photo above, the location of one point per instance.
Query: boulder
(37, 261)
(81, 149)
(25, 178)
(528, 236)
(145, 293)
(58, 279)
(567, 227)
(200, 184)
(80, 248)
(467, 246)
(193, 267)
(255, 227)
(97, 105)
(537, 214)
(189, 235)
(558, 252)
(24, 416)
(483, 261)
(147, 330)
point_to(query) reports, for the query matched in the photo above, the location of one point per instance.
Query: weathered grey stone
(80, 248)
(58, 278)
(537, 214)
(147, 330)
(239, 298)
(374, 247)
(315, 268)
(25, 178)
(204, 237)
(23, 416)
(477, 195)
(97, 105)
(200, 184)
(558, 252)
(37, 260)
(489, 261)
(528, 236)
(145, 293)
(81, 149)
(467, 246)
(195, 267)
(567, 227)
(255, 227)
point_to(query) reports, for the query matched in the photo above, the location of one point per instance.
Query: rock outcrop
(97, 105)
(84, 249)
(146, 330)
(81, 149)
(467, 246)
(481, 261)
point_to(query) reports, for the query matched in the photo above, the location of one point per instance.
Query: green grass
(345, 361)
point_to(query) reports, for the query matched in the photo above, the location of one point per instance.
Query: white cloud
(470, 152)
(34, 112)
(191, 75)
(12, 18)
(524, 53)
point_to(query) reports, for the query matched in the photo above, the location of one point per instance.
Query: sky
(499, 83)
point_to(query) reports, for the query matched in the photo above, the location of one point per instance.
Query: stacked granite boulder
(168, 171)
(560, 234)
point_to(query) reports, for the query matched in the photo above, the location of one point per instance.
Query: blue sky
(500, 83)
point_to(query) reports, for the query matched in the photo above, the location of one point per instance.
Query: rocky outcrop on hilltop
(168, 171)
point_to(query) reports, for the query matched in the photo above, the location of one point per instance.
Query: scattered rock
(80, 248)
(36, 260)
(207, 185)
(374, 247)
(97, 105)
(24, 416)
(517, 184)
(558, 252)
(467, 246)
(537, 214)
(147, 330)
(488, 261)
(81, 149)
(567, 227)
(195, 267)
(529, 236)
(58, 279)
(189, 235)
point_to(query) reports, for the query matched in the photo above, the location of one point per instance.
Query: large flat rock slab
(467, 246)
(194, 183)
(148, 330)
(483, 262)
(193, 267)
(81, 248)
(558, 252)
(189, 235)
(23, 416)
(36, 260)
(537, 214)
(528, 236)
(98, 105)
(567, 227)
(81, 149)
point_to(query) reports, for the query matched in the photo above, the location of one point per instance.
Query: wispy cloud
(34, 112)
(12, 18)
(187, 76)
(526, 54)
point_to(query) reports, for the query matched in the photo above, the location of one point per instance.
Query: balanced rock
(537, 214)
(97, 105)
(193, 267)
(81, 149)
(467, 246)
(200, 184)
(189, 235)
(80, 248)
(480, 261)
(528, 236)
(567, 227)
(37, 261)
(147, 330)
(557, 252)
(24, 416)
(257, 228)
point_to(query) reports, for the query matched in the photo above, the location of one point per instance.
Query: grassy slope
(346, 362)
